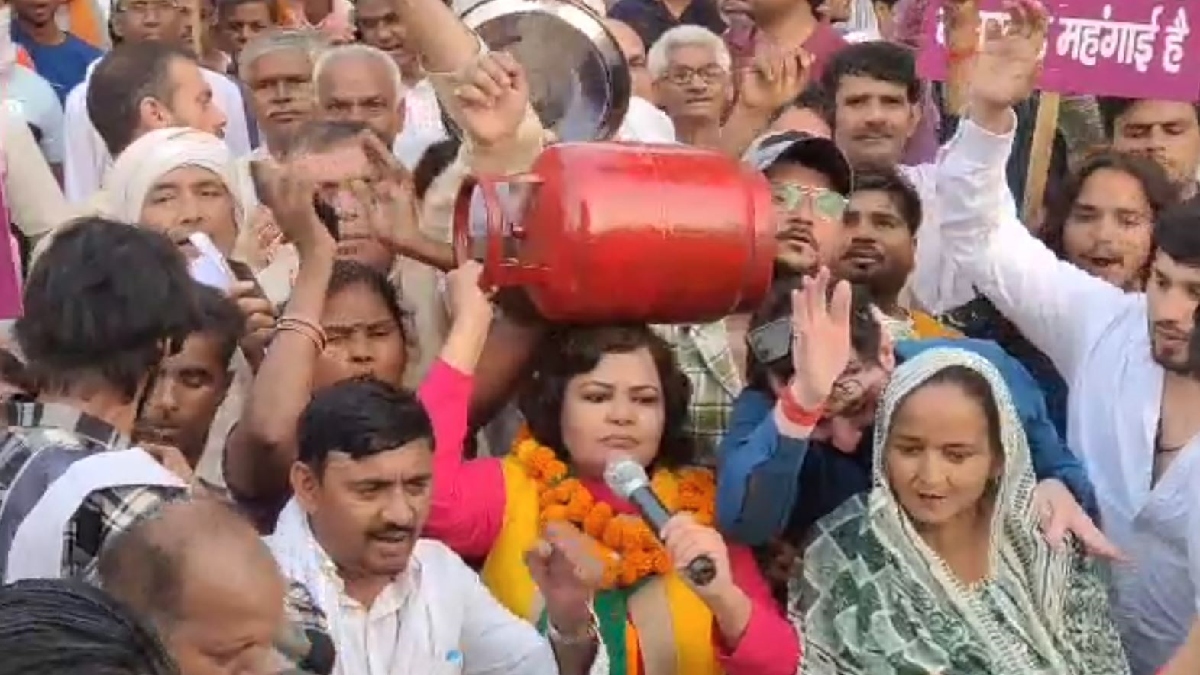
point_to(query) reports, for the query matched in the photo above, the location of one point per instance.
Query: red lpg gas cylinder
(614, 232)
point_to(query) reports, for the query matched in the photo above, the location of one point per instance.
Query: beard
(883, 282)
(1178, 359)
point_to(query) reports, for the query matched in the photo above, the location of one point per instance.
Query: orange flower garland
(625, 543)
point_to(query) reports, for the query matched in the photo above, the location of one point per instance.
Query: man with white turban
(183, 181)
(178, 181)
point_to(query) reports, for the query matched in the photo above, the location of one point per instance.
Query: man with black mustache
(1166, 131)
(397, 603)
(877, 249)
(810, 179)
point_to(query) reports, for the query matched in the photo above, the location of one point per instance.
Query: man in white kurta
(87, 159)
(1097, 337)
(436, 617)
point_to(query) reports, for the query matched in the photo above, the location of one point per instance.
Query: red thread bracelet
(796, 413)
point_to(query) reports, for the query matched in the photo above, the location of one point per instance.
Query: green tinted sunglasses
(825, 203)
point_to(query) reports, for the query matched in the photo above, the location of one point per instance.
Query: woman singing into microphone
(603, 392)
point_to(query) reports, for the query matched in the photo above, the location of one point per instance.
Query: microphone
(312, 651)
(628, 479)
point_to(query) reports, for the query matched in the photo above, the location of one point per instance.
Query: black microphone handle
(322, 655)
(652, 510)
(701, 570)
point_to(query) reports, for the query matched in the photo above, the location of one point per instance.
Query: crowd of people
(260, 418)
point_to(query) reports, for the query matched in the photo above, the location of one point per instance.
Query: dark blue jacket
(770, 485)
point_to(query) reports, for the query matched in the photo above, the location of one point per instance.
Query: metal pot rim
(606, 103)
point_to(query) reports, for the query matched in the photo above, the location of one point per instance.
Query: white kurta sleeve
(936, 283)
(36, 202)
(497, 642)
(86, 157)
(1057, 306)
(52, 130)
(1194, 547)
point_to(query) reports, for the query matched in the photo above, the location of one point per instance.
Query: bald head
(635, 54)
(187, 550)
(627, 38)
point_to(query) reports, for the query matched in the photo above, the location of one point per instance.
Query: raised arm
(34, 197)
(762, 456)
(492, 108)
(936, 284)
(1057, 306)
(759, 470)
(467, 510)
(469, 84)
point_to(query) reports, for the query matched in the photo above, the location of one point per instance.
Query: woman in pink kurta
(602, 390)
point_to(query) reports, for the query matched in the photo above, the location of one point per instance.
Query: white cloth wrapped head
(126, 186)
(159, 152)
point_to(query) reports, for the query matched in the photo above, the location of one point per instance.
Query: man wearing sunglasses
(810, 181)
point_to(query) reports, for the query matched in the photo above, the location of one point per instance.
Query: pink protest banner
(10, 270)
(10, 261)
(1127, 49)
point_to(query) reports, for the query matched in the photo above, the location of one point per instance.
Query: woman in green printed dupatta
(941, 567)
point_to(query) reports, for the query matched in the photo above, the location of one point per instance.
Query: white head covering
(125, 188)
(159, 152)
(874, 591)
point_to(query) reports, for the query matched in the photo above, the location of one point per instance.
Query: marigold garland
(626, 544)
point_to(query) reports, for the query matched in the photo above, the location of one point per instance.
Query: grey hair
(659, 56)
(311, 42)
(357, 51)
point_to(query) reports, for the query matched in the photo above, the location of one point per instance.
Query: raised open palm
(962, 25)
(289, 195)
(1008, 64)
(821, 338)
